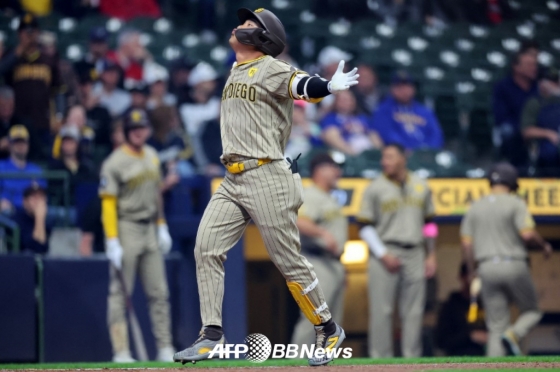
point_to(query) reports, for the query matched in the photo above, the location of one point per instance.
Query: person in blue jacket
(402, 120)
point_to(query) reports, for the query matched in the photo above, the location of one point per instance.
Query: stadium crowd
(61, 116)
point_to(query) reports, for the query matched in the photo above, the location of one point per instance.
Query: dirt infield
(355, 368)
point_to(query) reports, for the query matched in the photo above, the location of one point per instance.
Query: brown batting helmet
(504, 174)
(270, 39)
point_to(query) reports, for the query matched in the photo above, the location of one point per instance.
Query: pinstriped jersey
(257, 107)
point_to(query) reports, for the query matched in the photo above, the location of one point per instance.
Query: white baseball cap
(201, 73)
(154, 72)
(332, 54)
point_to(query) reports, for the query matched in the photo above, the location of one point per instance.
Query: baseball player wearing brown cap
(494, 233)
(136, 235)
(256, 119)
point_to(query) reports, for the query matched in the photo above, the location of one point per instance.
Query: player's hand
(164, 239)
(114, 252)
(547, 250)
(330, 242)
(391, 263)
(479, 336)
(430, 265)
(343, 81)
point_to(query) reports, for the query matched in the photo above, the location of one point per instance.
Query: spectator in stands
(130, 56)
(108, 93)
(98, 117)
(178, 85)
(531, 47)
(402, 120)
(130, 8)
(31, 218)
(35, 78)
(156, 77)
(205, 107)
(305, 134)
(367, 91)
(346, 130)
(11, 189)
(78, 168)
(540, 123)
(328, 60)
(93, 237)
(76, 117)
(510, 96)
(92, 63)
(212, 146)
(393, 12)
(139, 94)
(117, 134)
(172, 146)
(7, 119)
(454, 335)
(2, 45)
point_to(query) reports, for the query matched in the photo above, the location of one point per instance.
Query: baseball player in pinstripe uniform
(494, 233)
(324, 231)
(396, 214)
(256, 119)
(136, 234)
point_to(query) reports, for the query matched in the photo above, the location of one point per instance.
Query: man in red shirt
(130, 57)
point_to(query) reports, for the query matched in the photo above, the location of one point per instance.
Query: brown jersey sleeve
(279, 78)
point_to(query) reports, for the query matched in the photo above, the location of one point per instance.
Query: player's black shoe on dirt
(327, 342)
(511, 343)
(202, 347)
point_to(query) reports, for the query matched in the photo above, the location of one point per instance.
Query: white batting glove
(164, 239)
(114, 252)
(342, 81)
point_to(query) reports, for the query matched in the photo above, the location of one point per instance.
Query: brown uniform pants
(410, 285)
(270, 195)
(503, 283)
(140, 255)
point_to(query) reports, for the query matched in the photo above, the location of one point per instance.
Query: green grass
(286, 362)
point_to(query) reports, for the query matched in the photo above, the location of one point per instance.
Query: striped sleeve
(280, 76)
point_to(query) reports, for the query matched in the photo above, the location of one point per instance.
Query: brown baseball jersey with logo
(323, 209)
(257, 107)
(134, 180)
(397, 211)
(493, 224)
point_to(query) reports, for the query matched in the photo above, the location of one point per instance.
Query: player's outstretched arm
(312, 88)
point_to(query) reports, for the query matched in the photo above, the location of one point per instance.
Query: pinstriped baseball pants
(270, 195)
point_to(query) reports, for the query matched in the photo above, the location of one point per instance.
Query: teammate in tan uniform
(323, 232)
(494, 233)
(396, 214)
(256, 118)
(136, 235)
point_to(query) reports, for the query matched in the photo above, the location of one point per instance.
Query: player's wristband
(431, 230)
